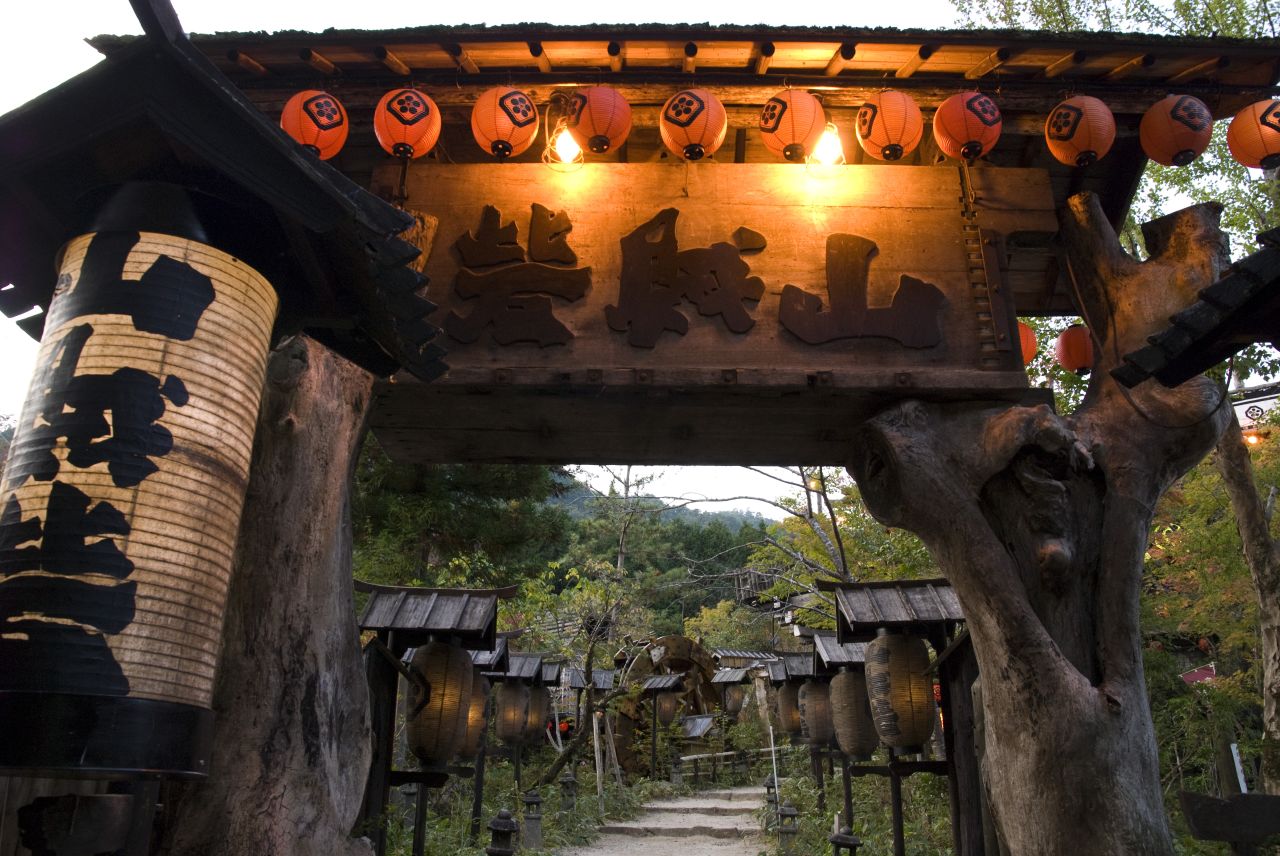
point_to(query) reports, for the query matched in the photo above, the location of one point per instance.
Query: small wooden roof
(522, 667)
(777, 670)
(469, 615)
(829, 654)
(492, 661)
(656, 683)
(919, 605)
(741, 654)
(601, 679)
(731, 676)
(697, 727)
(551, 673)
(798, 665)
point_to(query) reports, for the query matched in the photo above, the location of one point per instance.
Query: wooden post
(848, 792)
(420, 820)
(477, 793)
(895, 800)
(382, 678)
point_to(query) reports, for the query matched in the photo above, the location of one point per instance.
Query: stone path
(710, 823)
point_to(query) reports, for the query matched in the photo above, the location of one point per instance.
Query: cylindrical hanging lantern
(814, 701)
(1254, 135)
(900, 691)
(317, 121)
(693, 124)
(735, 695)
(599, 118)
(791, 123)
(437, 726)
(1176, 130)
(1074, 349)
(477, 718)
(122, 494)
(407, 123)
(504, 121)
(667, 703)
(512, 712)
(851, 715)
(889, 125)
(1080, 131)
(967, 125)
(1028, 343)
(539, 709)
(789, 709)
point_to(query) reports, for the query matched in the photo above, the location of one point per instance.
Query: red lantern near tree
(1074, 349)
(407, 123)
(791, 123)
(1080, 131)
(317, 121)
(504, 121)
(693, 124)
(1027, 340)
(967, 125)
(1176, 130)
(599, 118)
(889, 125)
(1254, 135)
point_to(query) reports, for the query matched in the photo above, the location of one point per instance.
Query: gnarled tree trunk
(1040, 522)
(292, 736)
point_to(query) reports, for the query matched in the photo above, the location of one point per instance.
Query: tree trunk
(1040, 522)
(1262, 554)
(292, 742)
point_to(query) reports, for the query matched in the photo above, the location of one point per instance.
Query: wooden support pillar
(895, 800)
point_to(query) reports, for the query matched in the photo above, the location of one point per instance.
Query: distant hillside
(577, 500)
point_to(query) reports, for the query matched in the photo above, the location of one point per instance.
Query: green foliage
(729, 624)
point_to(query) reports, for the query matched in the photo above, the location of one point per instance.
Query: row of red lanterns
(504, 121)
(1073, 349)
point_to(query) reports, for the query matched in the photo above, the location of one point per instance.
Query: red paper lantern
(1074, 349)
(1176, 130)
(1027, 340)
(504, 121)
(1254, 135)
(791, 123)
(889, 125)
(599, 118)
(967, 125)
(693, 124)
(317, 121)
(1080, 131)
(406, 123)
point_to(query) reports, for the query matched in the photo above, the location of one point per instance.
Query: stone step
(750, 793)
(675, 822)
(642, 830)
(626, 844)
(701, 806)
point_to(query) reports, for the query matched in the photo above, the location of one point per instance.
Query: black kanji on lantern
(771, 115)
(657, 276)
(867, 119)
(518, 107)
(515, 298)
(912, 319)
(684, 108)
(324, 111)
(1271, 116)
(1064, 121)
(1190, 111)
(408, 107)
(984, 109)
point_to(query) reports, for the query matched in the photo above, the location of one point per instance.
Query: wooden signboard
(712, 313)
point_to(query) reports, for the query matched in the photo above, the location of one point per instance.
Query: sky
(43, 45)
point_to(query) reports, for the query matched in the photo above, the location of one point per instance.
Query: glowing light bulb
(828, 151)
(1251, 439)
(567, 148)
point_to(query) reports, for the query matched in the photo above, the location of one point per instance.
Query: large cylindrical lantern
(407, 123)
(814, 701)
(504, 121)
(438, 723)
(512, 712)
(791, 123)
(317, 121)
(789, 709)
(599, 118)
(735, 695)
(889, 125)
(1176, 130)
(851, 715)
(900, 691)
(693, 124)
(1074, 349)
(477, 718)
(1080, 131)
(535, 724)
(122, 494)
(967, 125)
(667, 702)
(1254, 135)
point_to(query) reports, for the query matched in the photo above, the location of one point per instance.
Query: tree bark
(1040, 522)
(1262, 555)
(292, 740)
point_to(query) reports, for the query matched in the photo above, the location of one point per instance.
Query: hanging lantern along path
(599, 118)
(317, 121)
(504, 122)
(889, 125)
(1254, 135)
(693, 124)
(667, 702)
(1029, 345)
(1080, 131)
(735, 696)
(539, 709)
(477, 716)
(1074, 349)
(789, 709)
(851, 715)
(438, 723)
(791, 123)
(1176, 130)
(512, 712)
(900, 691)
(814, 702)
(967, 125)
(407, 123)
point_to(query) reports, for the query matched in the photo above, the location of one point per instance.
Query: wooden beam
(765, 57)
(993, 61)
(1204, 68)
(540, 55)
(391, 61)
(247, 62)
(462, 58)
(1128, 67)
(840, 59)
(615, 57)
(690, 54)
(912, 65)
(316, 61)
(1064, 63)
